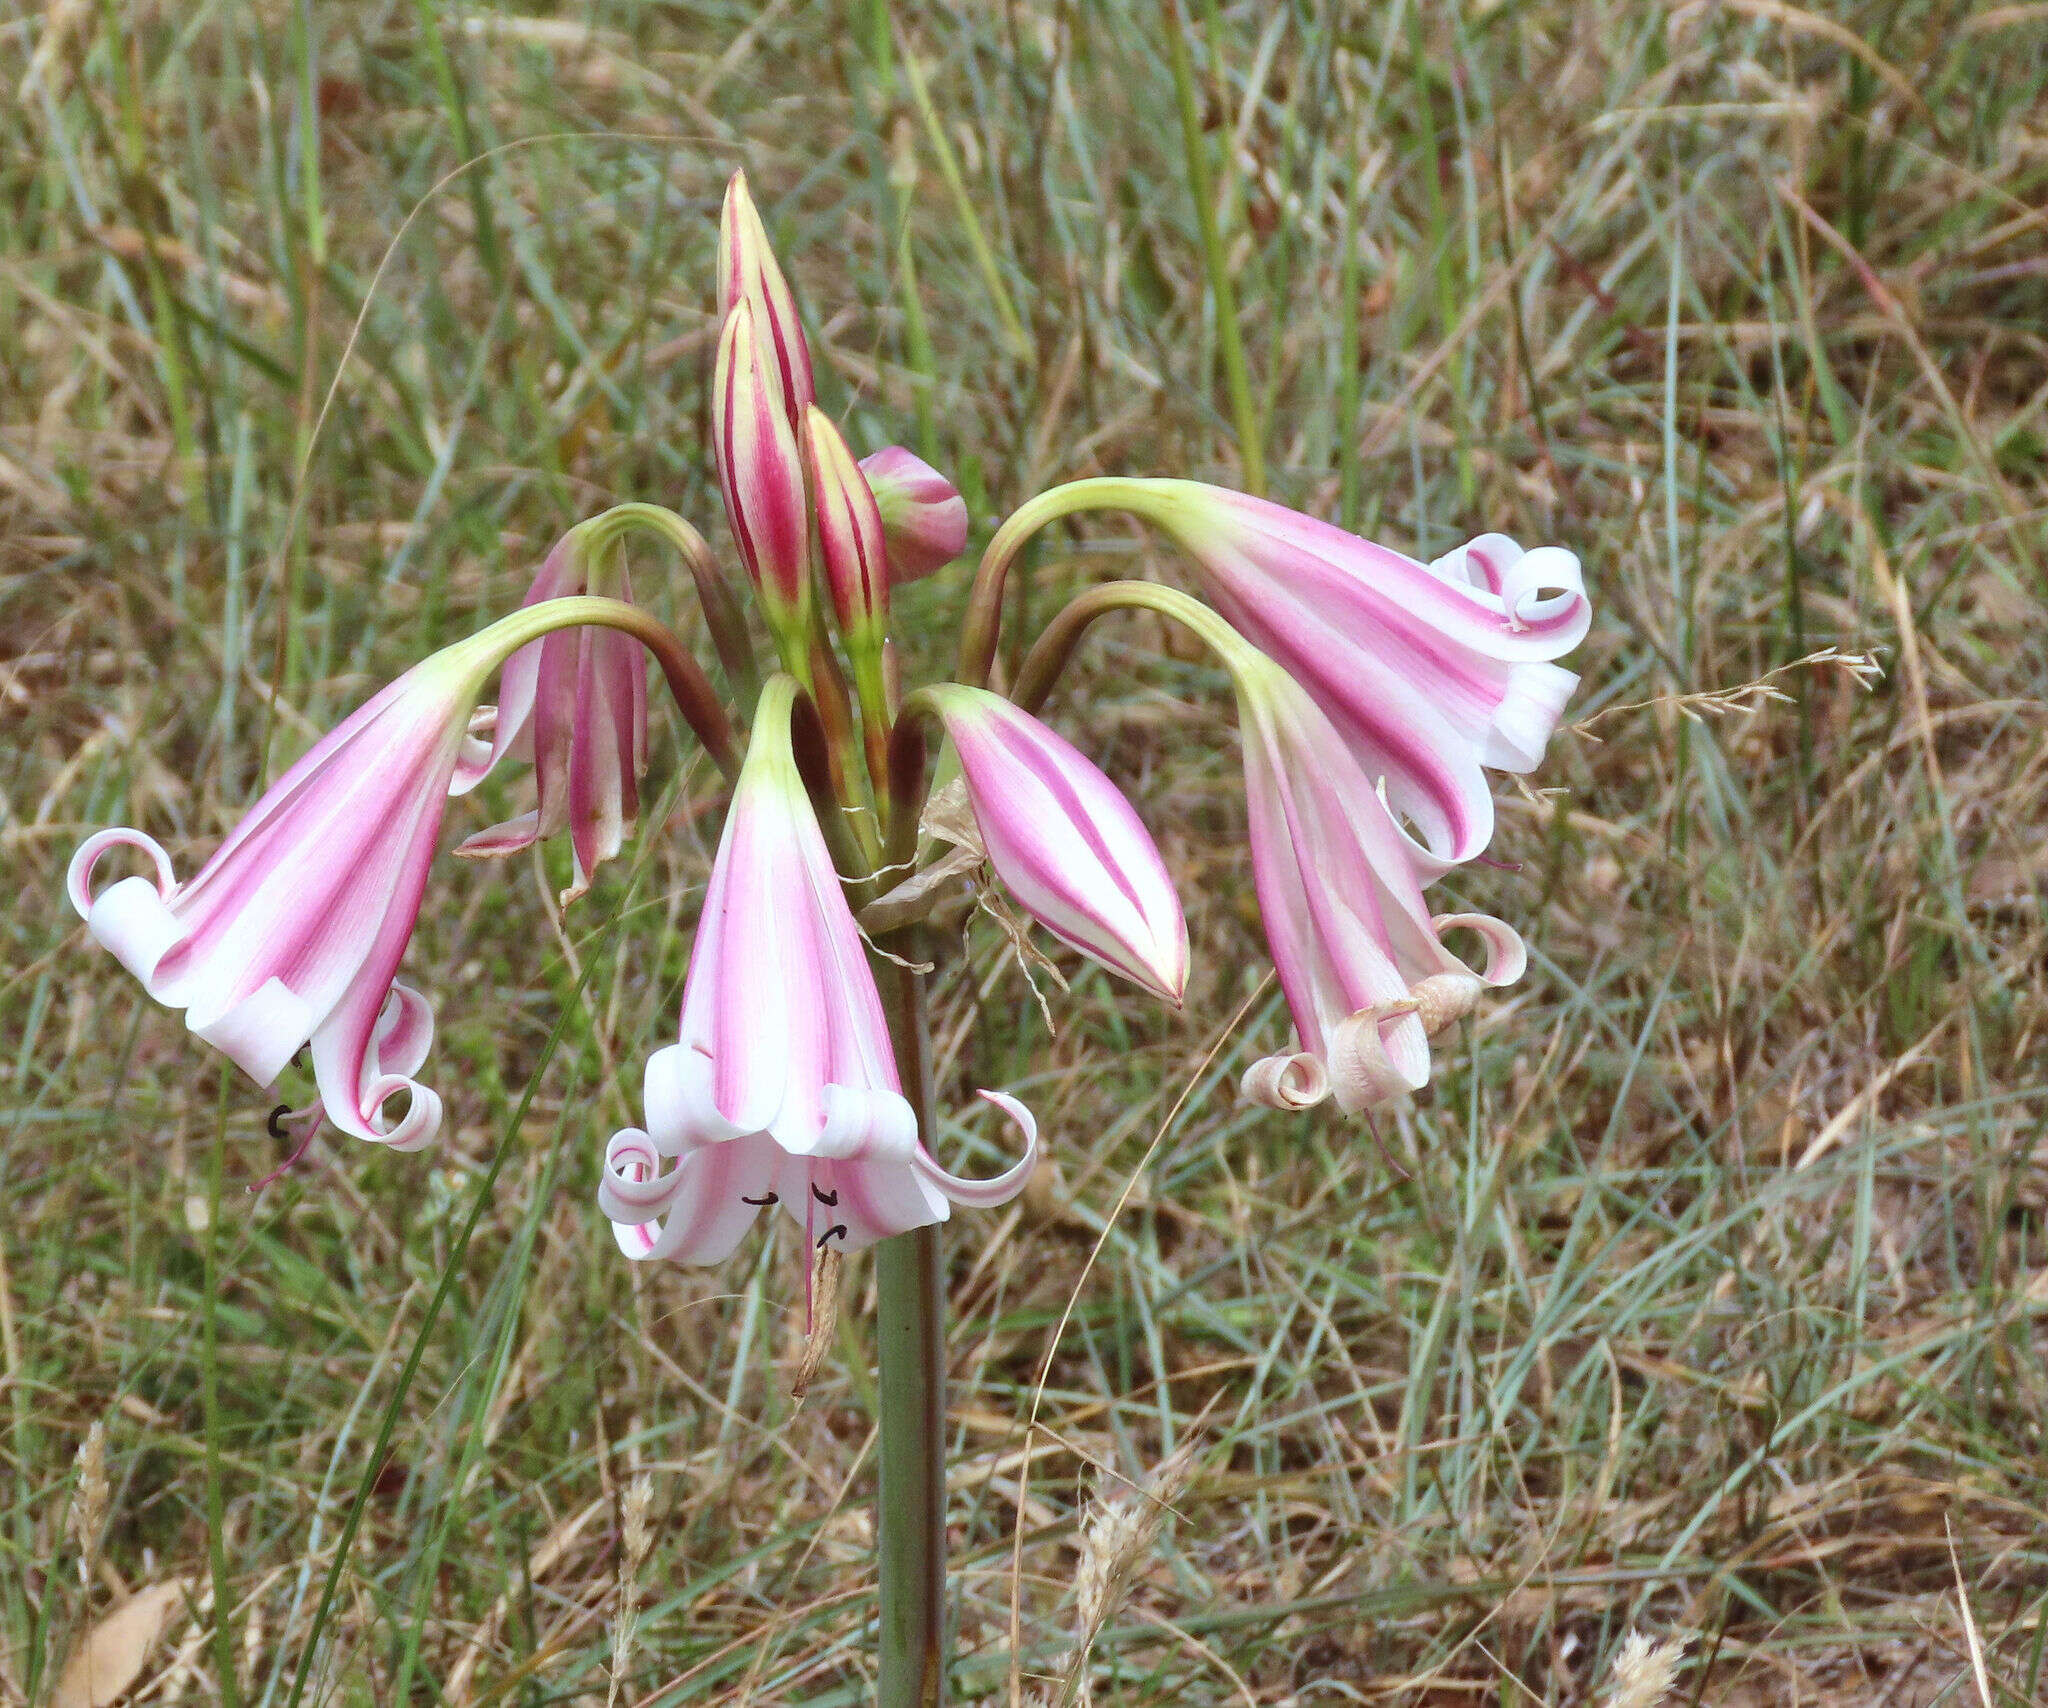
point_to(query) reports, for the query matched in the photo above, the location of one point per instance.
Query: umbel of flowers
(1374, 692)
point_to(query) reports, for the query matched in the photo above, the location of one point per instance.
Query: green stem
(911, 1415)
(724, 618)
(1229, 344)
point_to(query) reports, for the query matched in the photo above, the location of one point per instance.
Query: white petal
(263, 1031)
(1285, 1082)
(1547, 569)
(132, 921)
(78, 875)
(1507, 956)
(632, 1188)
(708, 1212)
(682, 1115)
(871, 1125)
(1373, 1058)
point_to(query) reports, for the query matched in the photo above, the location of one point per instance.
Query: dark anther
(760, 1203)
(836, 1231)
(276, 1121)
(829, 1199)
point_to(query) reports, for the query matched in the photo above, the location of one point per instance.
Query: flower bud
(924, 518)
(749, 273)
(1065, 842)
(850, 542)
(761, 476)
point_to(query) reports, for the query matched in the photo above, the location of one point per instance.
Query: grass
(1700, 1296)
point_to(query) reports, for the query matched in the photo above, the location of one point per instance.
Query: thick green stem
(687, 684)
(724, 618)
(910, 1526)
(1055, 646)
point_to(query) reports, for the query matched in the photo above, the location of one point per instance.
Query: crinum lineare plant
(1373, 693)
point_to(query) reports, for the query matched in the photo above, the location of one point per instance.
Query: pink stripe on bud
(761, 474)
(851, 549)
(748, 272)
(1065, 842)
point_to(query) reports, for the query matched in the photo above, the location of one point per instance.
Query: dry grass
(1702, 1297)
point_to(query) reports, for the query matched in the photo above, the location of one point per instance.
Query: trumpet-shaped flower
(761, 476)
(292, 933)
(575, 704)
(924, 518)
(1359, 955)
(1430, 671)
(748, 272)
(1064, 841)
(782, 1088)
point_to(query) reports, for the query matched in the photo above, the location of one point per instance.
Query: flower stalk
(910, 1338)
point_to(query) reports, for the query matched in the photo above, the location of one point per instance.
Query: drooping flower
(924, 518)
(1358, 952)
(1430, 671)
(1064, 841)
(761, 476)
(748, 272)
(575, 703)
(292, 933)
(782, 1087)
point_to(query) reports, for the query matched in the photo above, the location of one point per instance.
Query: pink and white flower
(924, 518)
(1064, 841)
(1430, 671)
(575, 704)
(782, 1088)
(292, 933)
(1358, 952)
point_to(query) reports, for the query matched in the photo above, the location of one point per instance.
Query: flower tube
(1064, 841)
(575, 703)
(924, 518)
(1430, 672)
(782, 1087)
(292, 933)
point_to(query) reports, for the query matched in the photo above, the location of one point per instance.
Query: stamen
(760, 1203)
(275, 1123)
(836, 1230)
(305, 1144)
(829, 1199)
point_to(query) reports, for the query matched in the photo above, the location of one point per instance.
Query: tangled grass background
(1702, 1296)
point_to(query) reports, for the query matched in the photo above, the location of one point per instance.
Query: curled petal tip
(1001, 1188)
(1285, 1082)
